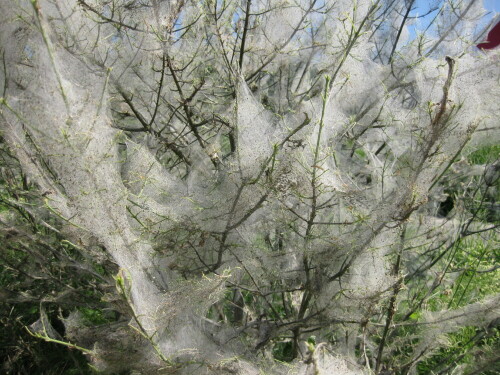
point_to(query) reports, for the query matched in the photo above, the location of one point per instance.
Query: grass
(484, 155)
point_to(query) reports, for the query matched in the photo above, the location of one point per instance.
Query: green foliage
(471, 268)
(468, 268)
(21, 353)
(38, 267)
(274, 306)
(464, 347)
(360, 152)
(472, 261)
(95, 317)
(225, 145)
(484, 155)
(283, 350)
